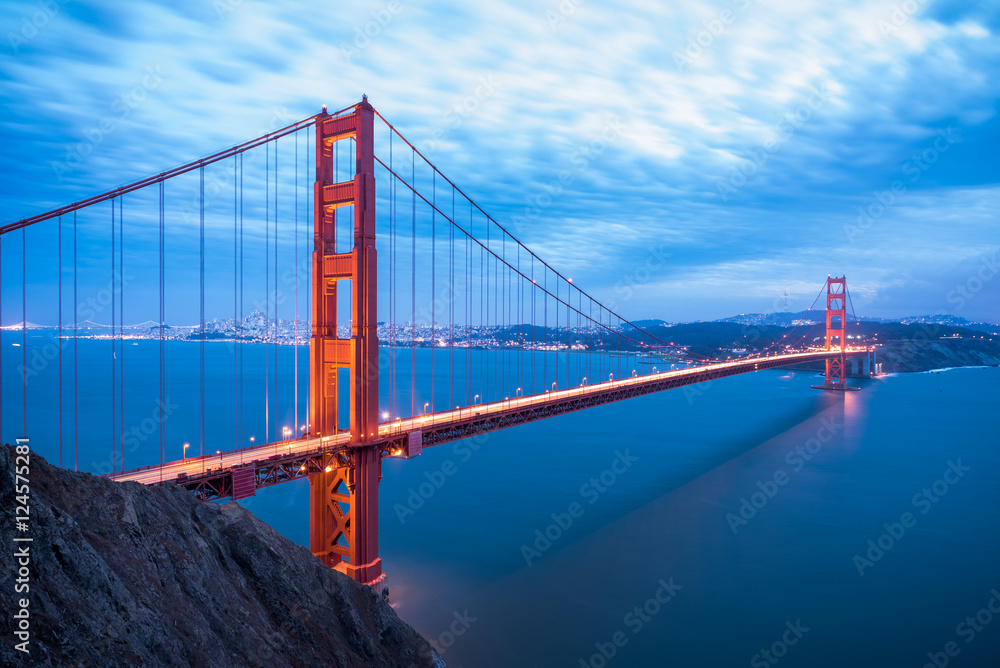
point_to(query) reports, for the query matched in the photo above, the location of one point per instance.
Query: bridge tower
(344, 497)
(836, 334)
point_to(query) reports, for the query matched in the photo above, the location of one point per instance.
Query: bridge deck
(211, 476)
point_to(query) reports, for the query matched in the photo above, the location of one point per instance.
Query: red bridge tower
(344, 498)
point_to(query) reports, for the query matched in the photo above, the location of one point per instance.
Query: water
(456, 547)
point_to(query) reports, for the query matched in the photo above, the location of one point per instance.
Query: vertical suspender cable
(241, 342)
(24, 336)
(451, 305)
(433, 271)
(295, 323)
(267, 284)
(59, 341)
(76, 329)
(310, 143)
(163, 319)
(391, 321)
(274, 296)
(121, 326)
(236, 314)
(484, 309)
(468, 310)
(393, 407)
(484, 312)
(201, 337)
(114, 370)
(413, 286)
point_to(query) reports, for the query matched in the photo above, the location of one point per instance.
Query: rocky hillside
(125, 575)
(924, 355)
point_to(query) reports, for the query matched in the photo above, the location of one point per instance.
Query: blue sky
(684, 160)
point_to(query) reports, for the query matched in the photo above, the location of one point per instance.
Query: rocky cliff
(927, 354)
(126, 575)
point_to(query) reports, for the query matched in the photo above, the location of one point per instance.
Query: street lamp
(611, 376)
(426, 404)
(475, 400)
(518, 393)
(186, 446)
(584, 382)
(553, 387)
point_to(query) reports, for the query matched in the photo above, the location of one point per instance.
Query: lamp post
(185, 452)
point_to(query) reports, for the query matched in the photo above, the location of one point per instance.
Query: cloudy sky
(719, 153)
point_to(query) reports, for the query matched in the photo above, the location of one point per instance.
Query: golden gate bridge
(520, 341)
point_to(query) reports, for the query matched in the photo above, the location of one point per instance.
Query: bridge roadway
(238, 473)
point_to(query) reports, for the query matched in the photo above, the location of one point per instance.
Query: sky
(683, 160)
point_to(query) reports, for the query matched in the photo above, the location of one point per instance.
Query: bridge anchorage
(591, 356)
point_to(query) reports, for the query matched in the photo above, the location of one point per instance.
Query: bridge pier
(344, 517)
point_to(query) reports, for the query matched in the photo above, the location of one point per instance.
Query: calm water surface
(723, 525)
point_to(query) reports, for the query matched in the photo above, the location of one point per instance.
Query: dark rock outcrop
(924, 354)
(126, 575)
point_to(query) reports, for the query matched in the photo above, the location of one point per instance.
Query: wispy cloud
(890, 82)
